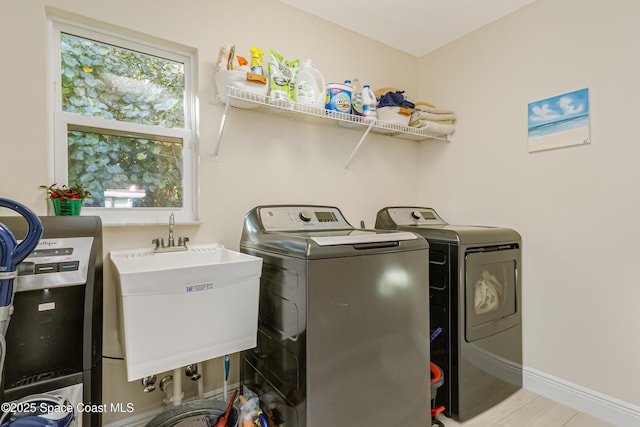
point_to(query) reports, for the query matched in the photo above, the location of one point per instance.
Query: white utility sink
(179, 308)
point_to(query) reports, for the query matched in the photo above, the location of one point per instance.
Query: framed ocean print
(560, 121)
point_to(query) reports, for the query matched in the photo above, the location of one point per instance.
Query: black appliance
(54, 338)
(475, 293)
(343, 336)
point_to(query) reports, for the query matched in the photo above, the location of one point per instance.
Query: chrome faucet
(172, 222)
(171, 246)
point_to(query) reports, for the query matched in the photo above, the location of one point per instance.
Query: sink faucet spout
(171, 245)
(172, 222)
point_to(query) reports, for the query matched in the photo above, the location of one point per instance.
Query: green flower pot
(67, 207)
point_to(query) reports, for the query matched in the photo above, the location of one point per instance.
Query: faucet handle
(149, 383)
(158, 242)
(182, 241)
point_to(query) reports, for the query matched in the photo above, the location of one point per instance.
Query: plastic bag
(250, 405)
(282, 76)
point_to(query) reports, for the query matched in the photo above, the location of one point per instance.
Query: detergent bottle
(310, 86)
(369, 104)
(356, 97)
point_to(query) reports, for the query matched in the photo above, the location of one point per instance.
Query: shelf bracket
(355, 150)
(216, 149)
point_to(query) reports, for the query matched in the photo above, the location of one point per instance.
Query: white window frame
(61, 120)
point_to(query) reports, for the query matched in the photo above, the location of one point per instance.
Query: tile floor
(527, 409)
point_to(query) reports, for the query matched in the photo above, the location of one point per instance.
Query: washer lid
(362, 236)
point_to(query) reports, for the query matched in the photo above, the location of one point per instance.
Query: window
(124, 123)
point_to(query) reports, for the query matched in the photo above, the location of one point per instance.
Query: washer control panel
(302, 218)
(414, 216)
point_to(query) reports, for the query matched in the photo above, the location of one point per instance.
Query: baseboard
(606, 408)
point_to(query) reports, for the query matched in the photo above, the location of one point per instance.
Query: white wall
(575, 207)
(264, 158)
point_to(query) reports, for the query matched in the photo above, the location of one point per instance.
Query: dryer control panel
(414, 216)
(302, 218)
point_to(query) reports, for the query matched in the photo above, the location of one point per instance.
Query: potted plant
(66, 200)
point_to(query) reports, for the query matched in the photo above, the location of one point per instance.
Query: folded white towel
(418, 123)
(423, 115)
(434, 110)
(437, 128)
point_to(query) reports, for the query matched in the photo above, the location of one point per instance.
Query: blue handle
(33, 235)
(12, 253)
(435, 334)
(263, 421)
(227, 365)
(7, 248)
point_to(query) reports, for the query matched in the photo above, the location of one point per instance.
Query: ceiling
(413, 26)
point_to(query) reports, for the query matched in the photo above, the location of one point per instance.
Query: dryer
(475, 293)
(343, 330)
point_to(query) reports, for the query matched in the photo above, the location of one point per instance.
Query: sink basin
(178, 308)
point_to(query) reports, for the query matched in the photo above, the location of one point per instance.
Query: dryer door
(492, 292)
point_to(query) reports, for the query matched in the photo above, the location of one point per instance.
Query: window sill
(146, 224)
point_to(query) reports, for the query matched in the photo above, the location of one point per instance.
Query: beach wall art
(560, 121)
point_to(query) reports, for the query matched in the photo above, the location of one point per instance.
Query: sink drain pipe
(200, 382)
(171, 385)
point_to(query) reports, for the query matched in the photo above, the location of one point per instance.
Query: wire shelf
(249, 100)
(302, 112)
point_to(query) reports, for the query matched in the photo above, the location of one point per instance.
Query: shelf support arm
(355, 150)
(216, 149)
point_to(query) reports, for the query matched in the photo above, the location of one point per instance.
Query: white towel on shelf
(433, 127)
(434, 110)
(424, 115)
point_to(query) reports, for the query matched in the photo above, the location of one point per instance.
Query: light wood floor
(527, 409)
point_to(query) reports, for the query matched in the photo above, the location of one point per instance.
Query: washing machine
(475, 294)
(343, 329)
(54, 337)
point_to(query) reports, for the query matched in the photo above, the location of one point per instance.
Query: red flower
(75, 192)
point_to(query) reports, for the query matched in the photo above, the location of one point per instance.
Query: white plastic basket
(238, 80)
(393, 115)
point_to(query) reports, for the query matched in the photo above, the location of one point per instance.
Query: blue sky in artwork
(559, 108)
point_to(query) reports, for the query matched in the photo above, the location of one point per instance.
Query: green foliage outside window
(119, 162)
(113, 83)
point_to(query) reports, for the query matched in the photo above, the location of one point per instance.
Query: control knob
(416, 215)
(305, 215)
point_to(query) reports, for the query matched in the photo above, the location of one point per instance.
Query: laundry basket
(243, 84)
(437, 379)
